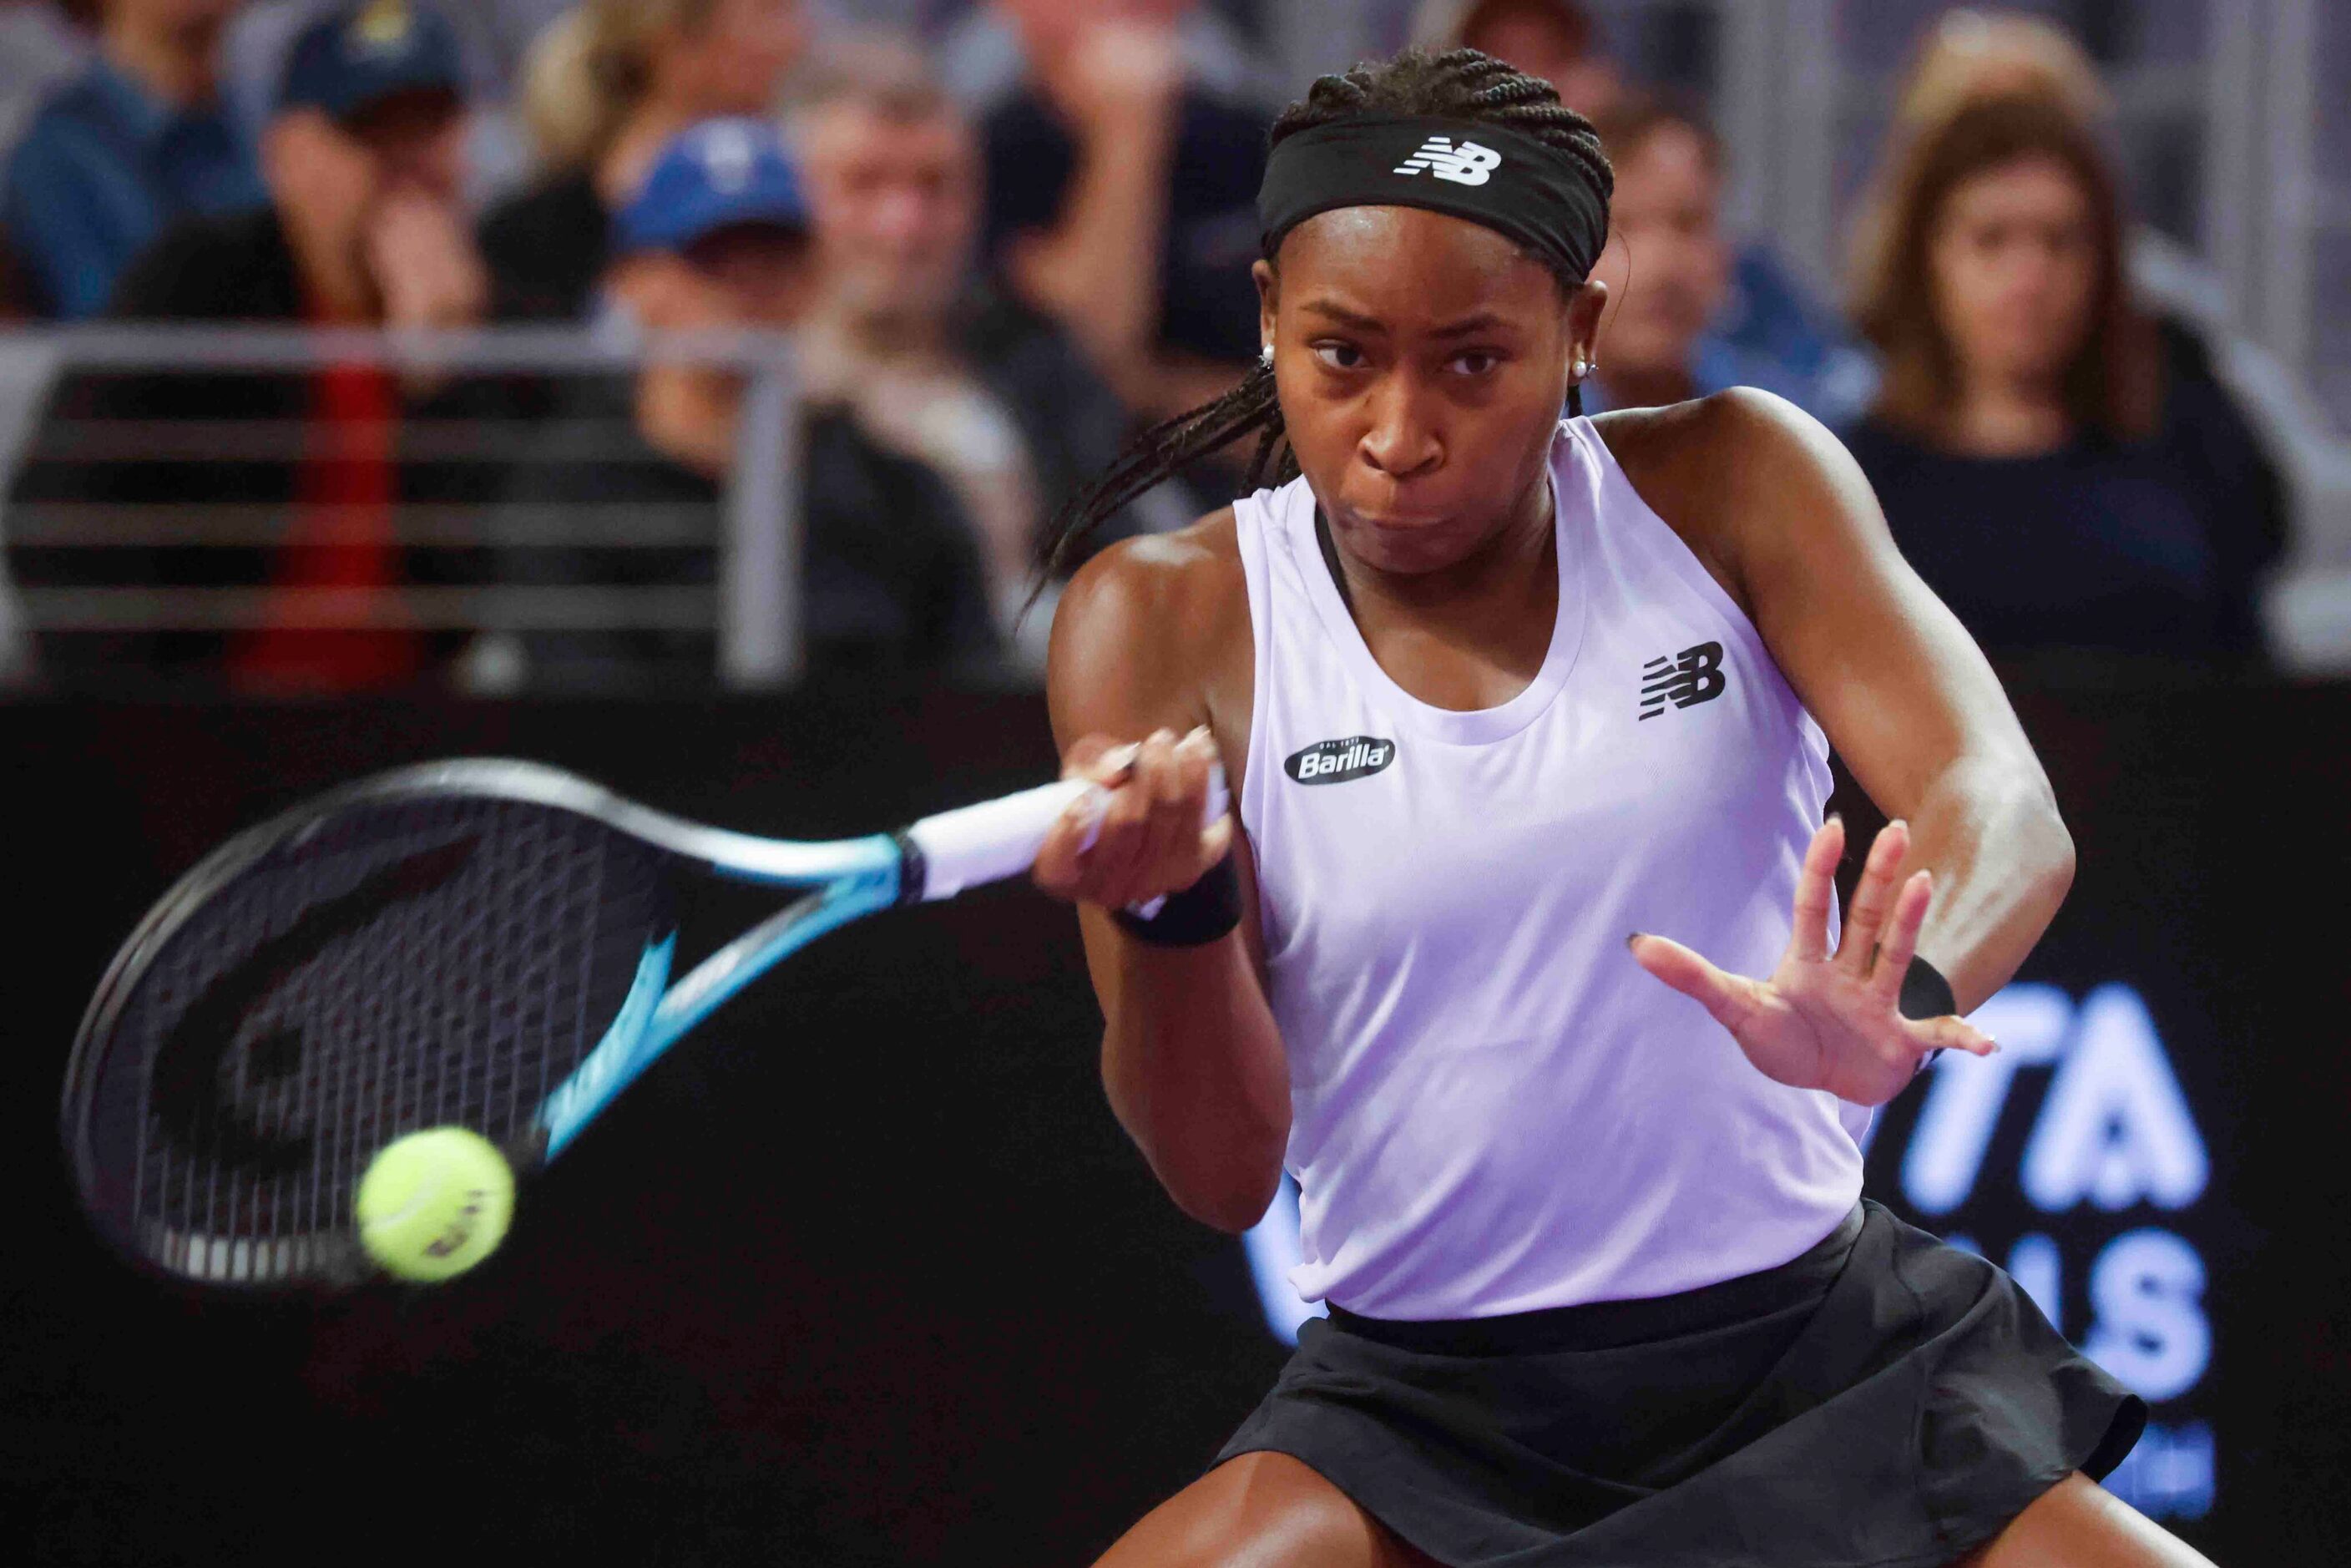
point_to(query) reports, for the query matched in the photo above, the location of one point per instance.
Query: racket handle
(1000, 839)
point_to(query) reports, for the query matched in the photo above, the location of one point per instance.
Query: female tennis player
(1499, 689)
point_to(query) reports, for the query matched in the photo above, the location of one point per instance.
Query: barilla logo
(1468, 164)
(1336, 761)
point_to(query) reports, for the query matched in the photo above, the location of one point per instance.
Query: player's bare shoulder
(1719, 467)
(1171, 592)
(1689, 455)
(1160, 621)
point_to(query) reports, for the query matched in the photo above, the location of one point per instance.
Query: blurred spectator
(1777, 332)
(1122, 198)
(1975, 55)
(37, 49)
(935, 362)
(1972, 55)
(716, 242)
(2016, 442)
(605, 89)
(493, 35)
(982, 59)
(120, 151)
(365, 227)
(1554, 39)
(1669, 269)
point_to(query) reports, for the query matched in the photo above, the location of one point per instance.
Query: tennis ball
(435, 1203)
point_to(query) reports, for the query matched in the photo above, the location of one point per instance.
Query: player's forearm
(2003, 861)
(1194, 1071)
(1098, 272)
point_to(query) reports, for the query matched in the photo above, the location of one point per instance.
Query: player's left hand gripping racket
(479, 944)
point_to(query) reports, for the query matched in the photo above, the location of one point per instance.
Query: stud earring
(1266, 358)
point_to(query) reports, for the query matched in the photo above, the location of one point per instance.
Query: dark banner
(865, 1274)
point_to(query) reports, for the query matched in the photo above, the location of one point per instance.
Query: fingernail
(1838, 818)
(1635, 936)
(1201, 732)
(1122, 758)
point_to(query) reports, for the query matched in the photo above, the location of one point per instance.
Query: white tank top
(1494, 1108)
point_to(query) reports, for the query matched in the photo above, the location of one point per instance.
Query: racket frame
(933, 859)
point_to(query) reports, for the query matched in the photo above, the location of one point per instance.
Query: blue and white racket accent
(935, 859)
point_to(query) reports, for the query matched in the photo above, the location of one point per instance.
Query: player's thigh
(2077, 1524)
(1261, 1510)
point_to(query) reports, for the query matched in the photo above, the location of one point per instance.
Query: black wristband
(1925, 993)
(1210, 908)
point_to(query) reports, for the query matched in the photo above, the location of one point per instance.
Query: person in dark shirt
(1123, 200)
(717, 241)
(365, 228)
(935, 361)
(120, 153)
(2021, 442)
(605, 89)
(1977, 55)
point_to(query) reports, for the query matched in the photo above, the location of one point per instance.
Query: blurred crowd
(1000, 246)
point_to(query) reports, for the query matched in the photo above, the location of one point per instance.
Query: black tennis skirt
(1883, 1400)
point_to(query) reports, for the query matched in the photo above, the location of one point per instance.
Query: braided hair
(1459, 84)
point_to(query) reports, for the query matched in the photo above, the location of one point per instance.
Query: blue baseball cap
(717, 175)
(358, 56)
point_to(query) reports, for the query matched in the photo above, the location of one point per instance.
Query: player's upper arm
(1901, 688)
(1140, 635)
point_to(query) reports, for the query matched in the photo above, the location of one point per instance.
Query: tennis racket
(481, 944)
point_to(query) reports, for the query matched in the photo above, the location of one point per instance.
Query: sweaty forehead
(1407, 265)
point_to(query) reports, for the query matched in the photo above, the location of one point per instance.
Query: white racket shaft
(1000, 839)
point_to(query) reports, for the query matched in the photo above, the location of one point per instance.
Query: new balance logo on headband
(1468, 164)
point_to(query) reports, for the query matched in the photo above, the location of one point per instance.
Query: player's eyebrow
(1467, 326)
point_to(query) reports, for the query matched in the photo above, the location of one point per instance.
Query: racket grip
(1000, 839)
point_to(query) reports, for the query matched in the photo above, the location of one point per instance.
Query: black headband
(1510, 183)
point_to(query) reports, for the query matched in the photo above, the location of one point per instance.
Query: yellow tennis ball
(435, 1203)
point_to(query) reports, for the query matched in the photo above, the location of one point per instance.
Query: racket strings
(384, 998)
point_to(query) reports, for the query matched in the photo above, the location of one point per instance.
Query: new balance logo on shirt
(1468, 164)
(1686, 679)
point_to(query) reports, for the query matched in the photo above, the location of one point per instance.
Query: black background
(865, 1274)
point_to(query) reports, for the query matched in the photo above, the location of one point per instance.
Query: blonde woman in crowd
(605, 89)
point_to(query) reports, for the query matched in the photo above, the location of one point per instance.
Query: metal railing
(754, 610)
